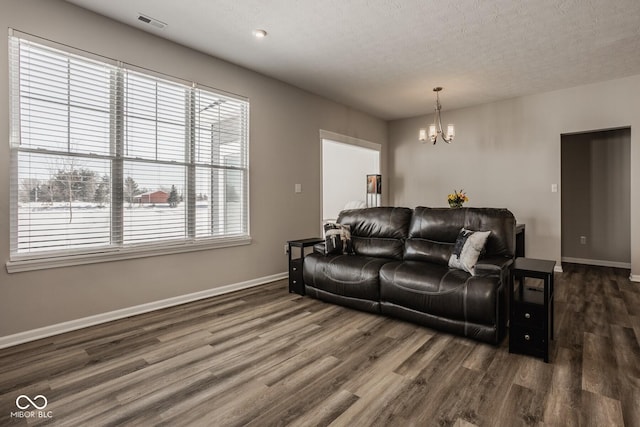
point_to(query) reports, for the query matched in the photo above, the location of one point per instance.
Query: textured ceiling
(385, 56)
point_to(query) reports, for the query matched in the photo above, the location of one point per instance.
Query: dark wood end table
(531, 307)
(296, 283)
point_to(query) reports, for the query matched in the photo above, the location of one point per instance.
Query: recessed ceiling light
(259, 34)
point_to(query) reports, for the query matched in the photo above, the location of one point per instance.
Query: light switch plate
(554, 188)
(298, 188)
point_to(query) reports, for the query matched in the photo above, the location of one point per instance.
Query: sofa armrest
(494, 266)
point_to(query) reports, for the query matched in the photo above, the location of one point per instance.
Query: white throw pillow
(469, 245)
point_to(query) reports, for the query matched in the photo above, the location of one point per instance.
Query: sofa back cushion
(378, 232)
(433, 232)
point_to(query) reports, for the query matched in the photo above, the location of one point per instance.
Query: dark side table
(296, 284)
(531, 307)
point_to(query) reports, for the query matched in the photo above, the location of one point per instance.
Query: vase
(453, 204)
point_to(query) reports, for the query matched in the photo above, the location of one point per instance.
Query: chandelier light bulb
(451, 132)
(433, 132)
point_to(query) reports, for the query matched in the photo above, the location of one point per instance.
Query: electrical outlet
(583, 240)
(286, 249)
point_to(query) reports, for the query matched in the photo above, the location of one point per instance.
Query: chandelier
(436, 128)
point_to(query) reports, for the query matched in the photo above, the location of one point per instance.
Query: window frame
(121, 251)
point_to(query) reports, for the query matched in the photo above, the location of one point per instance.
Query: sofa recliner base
(357, 303)
(484, 333)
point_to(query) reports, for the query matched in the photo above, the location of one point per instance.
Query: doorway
(346, 162)
(596, 193)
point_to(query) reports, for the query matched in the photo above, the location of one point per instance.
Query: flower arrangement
(457, 198)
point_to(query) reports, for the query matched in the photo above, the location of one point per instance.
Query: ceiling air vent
(151, 21)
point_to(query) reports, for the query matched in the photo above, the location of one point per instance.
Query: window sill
(18, 266)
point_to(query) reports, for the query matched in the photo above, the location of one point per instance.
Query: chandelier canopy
(436, 128)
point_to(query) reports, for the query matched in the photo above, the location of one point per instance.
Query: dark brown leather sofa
(400, 268)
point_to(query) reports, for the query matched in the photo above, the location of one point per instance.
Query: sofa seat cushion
(348, 275)
(440, 291)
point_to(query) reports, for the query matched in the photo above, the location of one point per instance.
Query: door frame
(343, 139)
(563, 258)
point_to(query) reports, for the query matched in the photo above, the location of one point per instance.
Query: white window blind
(107, 158)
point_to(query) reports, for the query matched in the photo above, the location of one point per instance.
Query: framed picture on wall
(374, 184)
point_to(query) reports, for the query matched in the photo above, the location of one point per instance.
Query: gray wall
(595, 201)
(285, 124)
(507, 154)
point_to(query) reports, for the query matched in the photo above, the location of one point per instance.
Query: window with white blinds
(106, 158)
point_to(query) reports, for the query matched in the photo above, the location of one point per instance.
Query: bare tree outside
(102, 194)
(29, 190)
(131, 190)
(62, 183)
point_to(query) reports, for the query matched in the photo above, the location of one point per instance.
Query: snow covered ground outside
(46, 226)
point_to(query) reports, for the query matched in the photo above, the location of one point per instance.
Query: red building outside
(152, 197)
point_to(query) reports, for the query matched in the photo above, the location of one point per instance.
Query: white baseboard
(558, 269)
(634, 277)
(72, 325)
(601, 263)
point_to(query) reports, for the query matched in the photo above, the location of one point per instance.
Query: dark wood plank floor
(264, 357)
